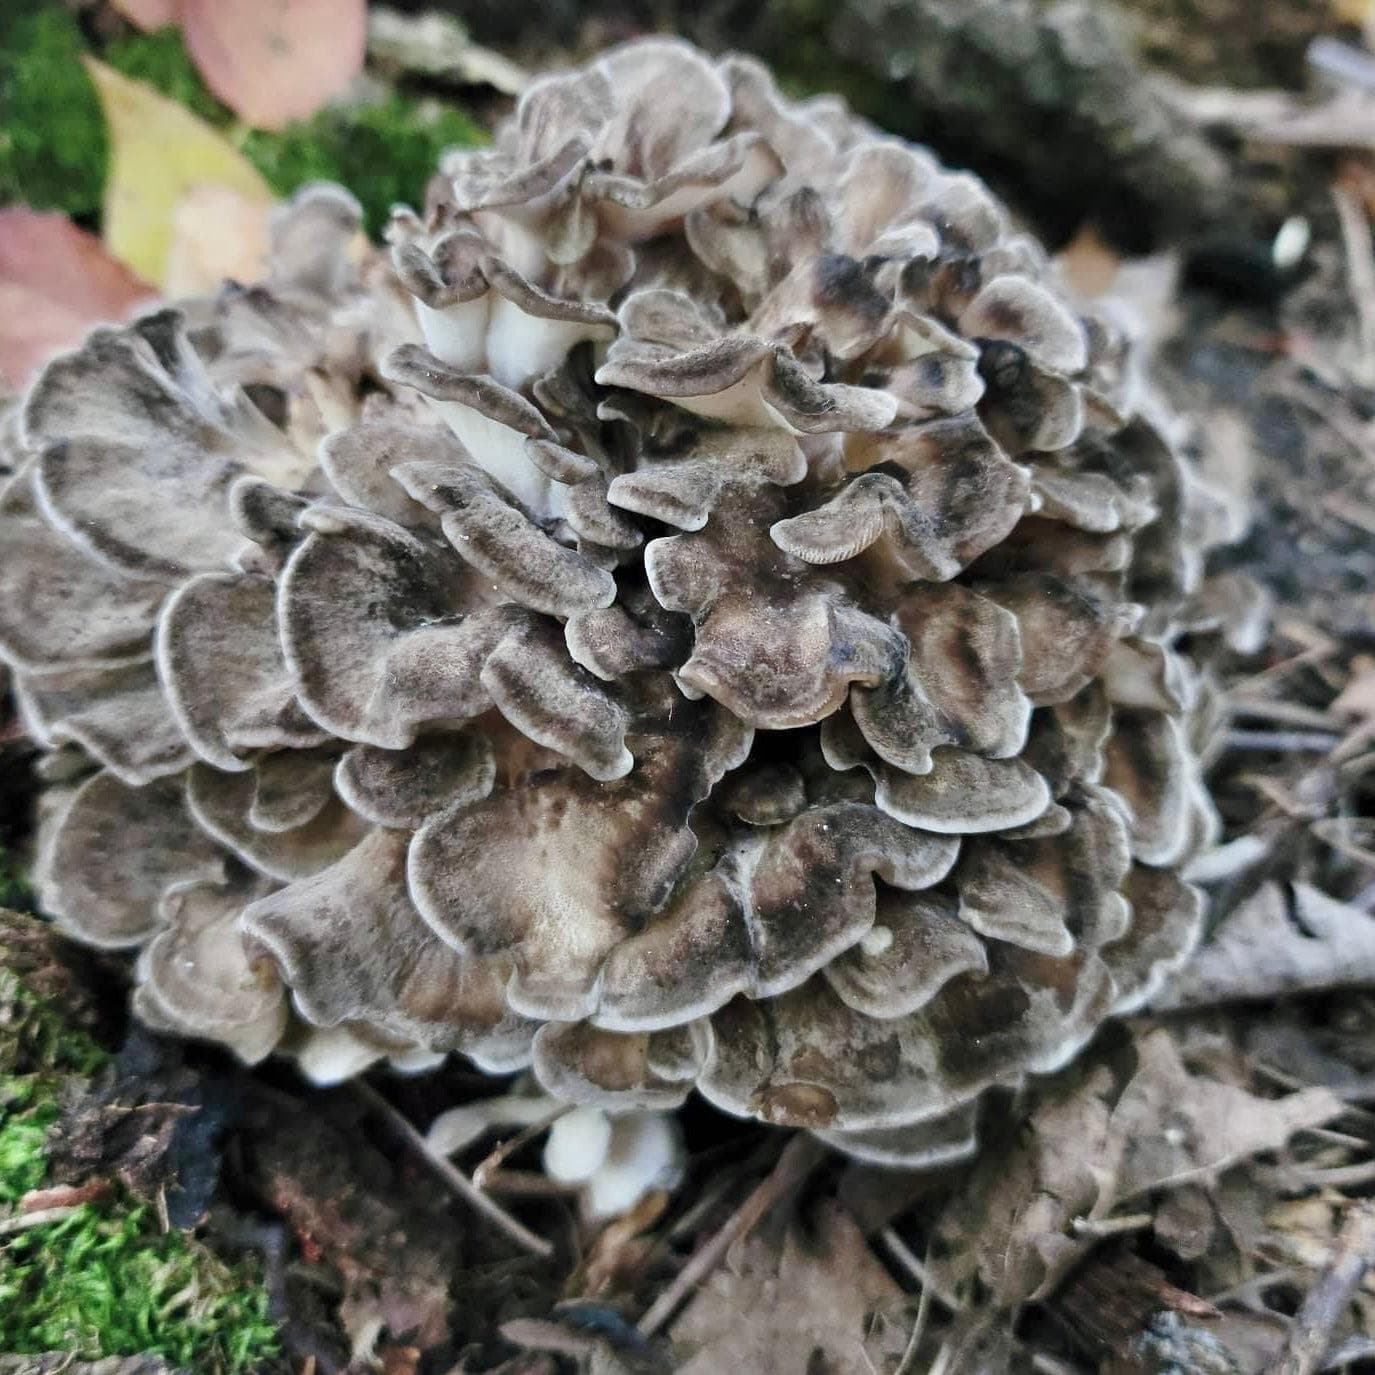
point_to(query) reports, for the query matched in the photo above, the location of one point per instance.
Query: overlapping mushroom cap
(699, 614)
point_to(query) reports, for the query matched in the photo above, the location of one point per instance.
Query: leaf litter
(1193, 1194)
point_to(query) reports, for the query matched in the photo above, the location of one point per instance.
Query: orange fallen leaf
(56, 281)
(272, 61)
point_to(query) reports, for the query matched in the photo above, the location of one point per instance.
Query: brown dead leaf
(56, 281)
(1186, 1222)
(795, 1299)
(1087, 1150)
(218, 234)
(1010, 1224)
(1175, 1126)
(273, 61)
(1306, 1231)
(1259, 952)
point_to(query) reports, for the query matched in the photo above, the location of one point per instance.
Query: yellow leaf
(217, 232)
(159, 152)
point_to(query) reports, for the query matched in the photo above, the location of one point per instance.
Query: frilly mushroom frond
(701, 610)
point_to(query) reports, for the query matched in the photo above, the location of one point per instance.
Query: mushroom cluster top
(698, 613)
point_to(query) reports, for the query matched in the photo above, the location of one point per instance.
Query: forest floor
(1195, 1194)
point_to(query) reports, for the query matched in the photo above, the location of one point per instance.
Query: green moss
(54, 149)
(23, 1163)
(53, 146)
(103, 1280)
(384, 153)
(36, 1042)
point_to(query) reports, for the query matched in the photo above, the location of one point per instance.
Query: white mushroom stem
(500, 451)
(521, 346)
(616, 1160)
(457, 333)
(329, 1055)
(459, 1127)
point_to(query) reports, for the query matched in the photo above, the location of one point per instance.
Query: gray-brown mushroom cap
(703, 611)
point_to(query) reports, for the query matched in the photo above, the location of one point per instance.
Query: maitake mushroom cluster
(699, 615)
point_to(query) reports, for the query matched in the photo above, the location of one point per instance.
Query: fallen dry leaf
(1087, 1150)
(1175, 1126)
(1260, 952)
(56, 281)
(147, 14)
(272, 61)
(218, 234)
(159, 153)
(796, 1299)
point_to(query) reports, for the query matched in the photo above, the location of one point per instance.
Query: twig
(909, 1356)
(526, 1184)
(800, 1157)
(1286, 713)
(37, 1218)
(1311, 1333)
(1335, 58)
(1049, 1365)
(1283, 741)
(1250, 1293)
(1360, 267)
(453, 1176)
(918, 1269)
(1339, 1176)
(1111, 1226)
(503, 1150)
(66, 1195)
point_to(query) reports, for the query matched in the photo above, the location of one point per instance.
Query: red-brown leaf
(56, 281)
(273, 61)
(147, 14)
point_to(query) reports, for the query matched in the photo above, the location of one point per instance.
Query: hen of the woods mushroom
(696, 614)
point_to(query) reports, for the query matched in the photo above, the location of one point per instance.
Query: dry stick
(40, 1217)
(917, 1268)
(1360, 267)
(489, 1167)
(800, 1157)
(1282, 741)
(454, 1177)
(1311, 1333)
(909, 1356)
(1286, 713)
